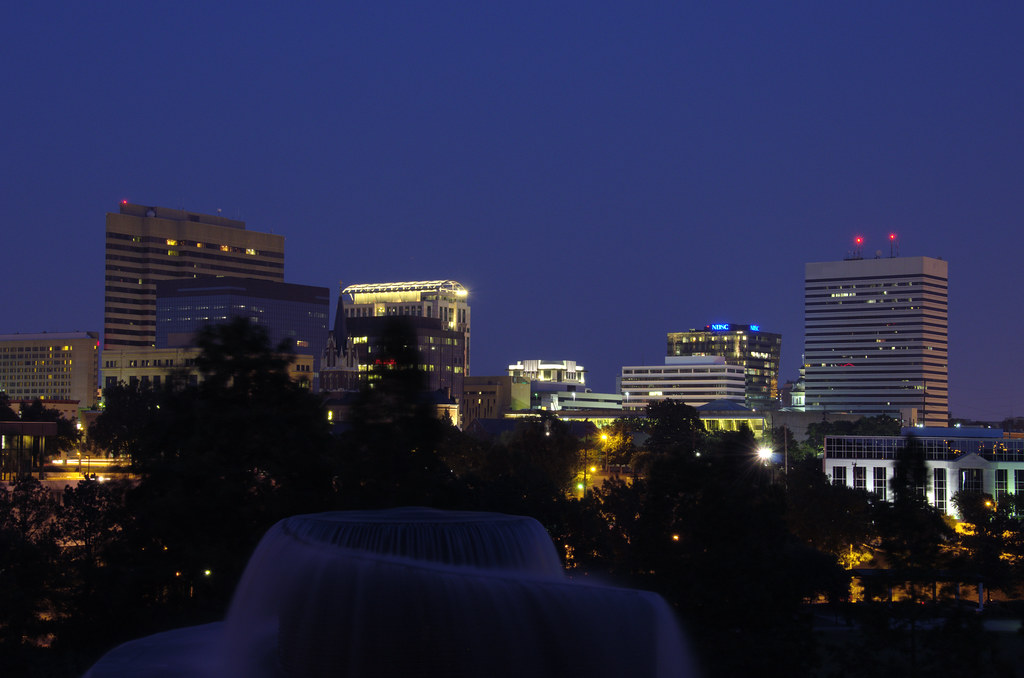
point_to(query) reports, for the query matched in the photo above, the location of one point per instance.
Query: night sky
(597, 174)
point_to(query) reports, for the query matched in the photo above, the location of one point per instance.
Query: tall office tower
(291, 313)
(442, 299)
(875, 338)
(147, 244)
(755, 351)
(51, 366)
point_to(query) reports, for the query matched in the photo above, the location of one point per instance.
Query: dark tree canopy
(879, 425)
(6, 412)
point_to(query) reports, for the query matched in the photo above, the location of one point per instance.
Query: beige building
(492, 397)
(51, 366)
(151, 366)
(147, 244)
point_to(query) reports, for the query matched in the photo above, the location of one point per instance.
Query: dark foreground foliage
(737, 547)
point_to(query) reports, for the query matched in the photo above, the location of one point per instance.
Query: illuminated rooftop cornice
(418, 286)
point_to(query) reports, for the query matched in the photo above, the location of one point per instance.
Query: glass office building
(294, 313)
(757, 352)
(145, 245)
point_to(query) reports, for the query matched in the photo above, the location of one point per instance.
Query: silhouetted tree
(28, 552)
(706, 528)
(127, 410)
(835, 519)
(6, 412)
(912, 532)
(390, 455)
(991, 533)
(68, 436)
(219, 461)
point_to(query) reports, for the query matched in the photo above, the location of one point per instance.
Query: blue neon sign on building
(726, 327)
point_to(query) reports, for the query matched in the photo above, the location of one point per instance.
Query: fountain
(414, 592)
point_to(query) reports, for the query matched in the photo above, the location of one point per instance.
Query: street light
(764, 454)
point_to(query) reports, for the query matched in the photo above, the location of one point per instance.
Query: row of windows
(444, 313)
(109, 337)
(885, 447)
(833, 314)
(173, 270)
(969, 480)
(29, 392)
(879, 338)
(113, 341)
(909, 279)
(723, 370)
(138, 300)
(841, 327)
(171, 242)
(138, 362)
(146, 381)
(110, 310)
(126, 263)
(877, 365)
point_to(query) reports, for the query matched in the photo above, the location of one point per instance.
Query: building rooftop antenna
(858, 243)
(894, 245)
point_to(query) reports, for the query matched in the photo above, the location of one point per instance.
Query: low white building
(694, 380)
(555, 396)
(975, 460)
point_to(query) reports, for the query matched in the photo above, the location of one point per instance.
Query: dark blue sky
(597, 174)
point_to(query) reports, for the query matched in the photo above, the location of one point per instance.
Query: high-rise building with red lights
(875, 338)
(148, 244)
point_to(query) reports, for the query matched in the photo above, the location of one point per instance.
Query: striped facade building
(694, 380)
(148, 244)
(875, 338)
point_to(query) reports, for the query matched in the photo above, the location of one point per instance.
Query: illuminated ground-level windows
(1002, 482)
(971, 480)
(880, 474)
(839, 475)
(860, 475)
(939, 481)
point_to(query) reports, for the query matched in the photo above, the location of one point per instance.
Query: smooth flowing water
(421, 592)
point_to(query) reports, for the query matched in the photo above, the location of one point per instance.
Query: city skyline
(595, 175)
